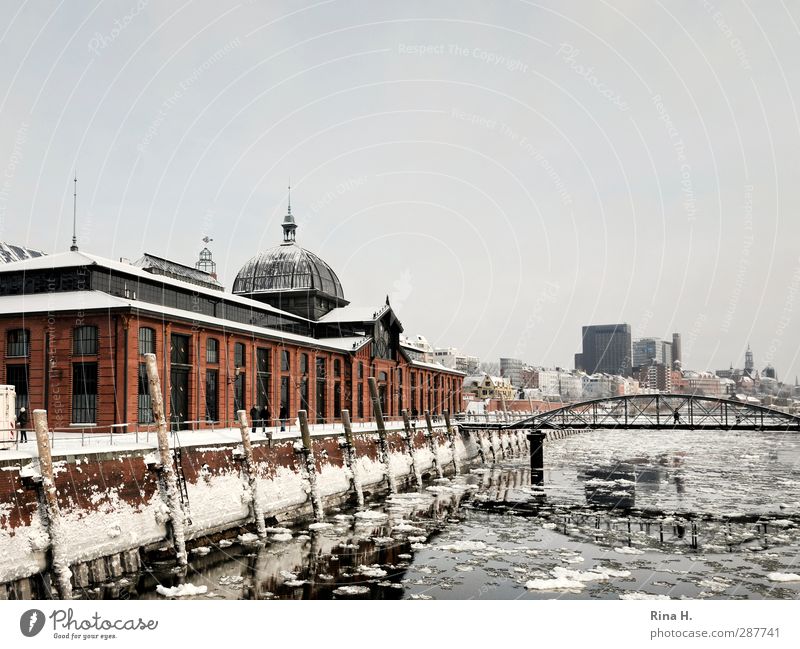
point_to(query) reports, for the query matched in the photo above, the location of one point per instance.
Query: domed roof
(287, 267)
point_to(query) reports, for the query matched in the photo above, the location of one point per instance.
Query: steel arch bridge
(660, 411)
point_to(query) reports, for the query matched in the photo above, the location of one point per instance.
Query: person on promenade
(254, 417)
(284, 413)
(265, 417)
(22, 425)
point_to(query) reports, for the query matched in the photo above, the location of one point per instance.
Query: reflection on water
(620, 516)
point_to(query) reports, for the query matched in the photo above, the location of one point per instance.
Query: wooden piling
(311, 467)
(451, 438)
(383, 445)
(432, 444)
(536, 439)
(166, 473)
(252, 479)
(58, 557)
(350, 458)
(410, 446)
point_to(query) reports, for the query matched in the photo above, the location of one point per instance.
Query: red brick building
(75, 327)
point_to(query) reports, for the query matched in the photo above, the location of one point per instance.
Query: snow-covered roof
(434, 366)
(176, 269)
(88, 300)
(10, 253)
(347, 344)
(72, 259)
(354, 314)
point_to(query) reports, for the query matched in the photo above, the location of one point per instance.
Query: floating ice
(184, 590)
(783, 576)
(351, 590)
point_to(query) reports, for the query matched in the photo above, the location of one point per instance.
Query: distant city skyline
(512, 172)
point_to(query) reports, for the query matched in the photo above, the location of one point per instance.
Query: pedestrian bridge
(657, 411)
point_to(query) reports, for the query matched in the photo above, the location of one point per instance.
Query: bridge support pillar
(536, 442)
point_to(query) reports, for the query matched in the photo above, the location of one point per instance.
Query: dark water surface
(626, 514)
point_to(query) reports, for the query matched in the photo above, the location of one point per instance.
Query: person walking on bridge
(22, 424)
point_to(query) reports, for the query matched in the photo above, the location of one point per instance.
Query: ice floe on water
(783, 576)
(184, 590)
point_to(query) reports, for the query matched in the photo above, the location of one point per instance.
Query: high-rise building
(606, 348)
(648, 350)
(676, 349)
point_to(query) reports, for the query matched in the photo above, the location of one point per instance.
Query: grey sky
(507, 171)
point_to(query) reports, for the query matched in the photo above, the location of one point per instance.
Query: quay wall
(110, 501)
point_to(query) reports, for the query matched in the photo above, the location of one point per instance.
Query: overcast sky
(506, 171)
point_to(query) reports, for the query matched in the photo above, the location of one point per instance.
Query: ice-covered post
(432, 443)
(252, 478)
(350, 458)
(60, 563)
(410, 446)
(166, 473)
(383, 445)
(451, 439)
(536, 439)
(311, 466)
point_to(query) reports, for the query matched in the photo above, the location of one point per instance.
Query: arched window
(84, 341)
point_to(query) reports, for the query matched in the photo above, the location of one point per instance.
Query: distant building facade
(651, 350)
(605, 349)
(511, 369)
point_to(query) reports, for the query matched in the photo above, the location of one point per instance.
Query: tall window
(337, 368)
(17, 375)
(337, 400)
(414, 410)
(321, 389)
(239, 355)
(179, 353)
(212, 392)
(360, 400)
(18, 343)
(212, 350)
(360, 370)
(147, 340)
(284, 411)
(84, 393)
(304, 364)
(144, 405)
(263, 367)
(84, 341)
(238, 394)
(284, 360)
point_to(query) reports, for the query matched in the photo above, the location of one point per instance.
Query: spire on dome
(289, 226)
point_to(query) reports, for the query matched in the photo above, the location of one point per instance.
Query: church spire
(289, 226)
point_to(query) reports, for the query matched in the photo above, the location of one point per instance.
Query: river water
(622, 515)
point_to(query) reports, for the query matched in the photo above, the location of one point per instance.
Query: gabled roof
(176, 270)
(10, 253)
